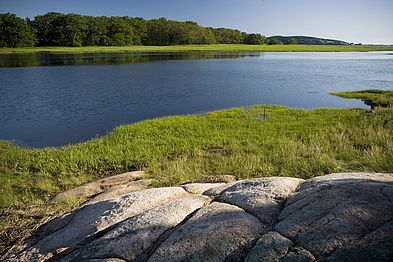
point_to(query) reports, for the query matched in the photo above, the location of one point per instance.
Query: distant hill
(308, 40)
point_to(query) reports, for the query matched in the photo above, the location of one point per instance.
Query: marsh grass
(189, 48)
(372, 97)
(246, 142)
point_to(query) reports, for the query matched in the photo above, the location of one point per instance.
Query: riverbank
(191, 48)
(257, 141)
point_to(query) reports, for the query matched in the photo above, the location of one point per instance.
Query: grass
(372, 97)
(241, 141)
(189, 48)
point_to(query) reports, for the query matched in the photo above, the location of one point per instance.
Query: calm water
(45, 103)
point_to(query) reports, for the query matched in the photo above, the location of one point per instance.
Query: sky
(355, 21)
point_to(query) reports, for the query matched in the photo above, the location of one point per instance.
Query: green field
(246, 142)
(189, 48)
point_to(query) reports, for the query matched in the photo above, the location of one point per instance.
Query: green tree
(97, 31)
(274, 41)
(15, 32)
(254, 39)
(74, 30)
(191, 33)
(57, 29)
(139, 26)
(158, 32)
(120, 32)
(291, 41)
(228, 36)
(48, 28)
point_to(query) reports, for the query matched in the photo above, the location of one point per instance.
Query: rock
(342, 177)
(33, 254)
(217, 179)
(298, 254)
(83, 191)
(121, 178)
(215, 191)
(116, 191)
(328, 213)
(131, 238)
(98, 186)
(270, 247)
(91, 219)
(215, 233)
(261, 197)
(199, 188)
(107, 260)
(338, 217)
(49, 228)
(274, 247)
(375, 246)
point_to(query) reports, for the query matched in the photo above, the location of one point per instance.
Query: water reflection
(50, 59)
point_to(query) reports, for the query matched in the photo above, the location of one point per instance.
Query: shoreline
(366, 107)
(197, 48)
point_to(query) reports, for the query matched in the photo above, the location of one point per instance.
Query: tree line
(57, 29)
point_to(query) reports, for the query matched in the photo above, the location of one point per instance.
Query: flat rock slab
(199, 188)
(117, 191)
(133, 237)
(215, 233)
(375, 246)
(345, 177)
(338, 217)
(270, 247)
(329, 213)
(91, 219)
(273, 247)
(98, 186)
(216, 191)
(263, 197)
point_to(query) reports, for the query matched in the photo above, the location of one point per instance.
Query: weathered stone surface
(96, 217)
(106, 260)
(274, 247)
(270, 247)
(131, 238)
(298, 254)
(262, 197)
(375, 246)
(199, 188)
(117, 191)
(215, 233)
(339, 217)
(33, 254)
(328, 213)
(333, 178)
(215, 191)
(98, 186)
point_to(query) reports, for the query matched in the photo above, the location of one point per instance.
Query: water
(44, 103)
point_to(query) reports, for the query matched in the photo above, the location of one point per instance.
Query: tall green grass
(372, 97)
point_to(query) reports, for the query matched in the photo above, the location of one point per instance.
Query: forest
(74, 30)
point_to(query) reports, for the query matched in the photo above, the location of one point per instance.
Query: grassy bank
(189, 48)
(246, 142)
(372, 97)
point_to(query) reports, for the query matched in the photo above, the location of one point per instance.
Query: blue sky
(365, 21)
